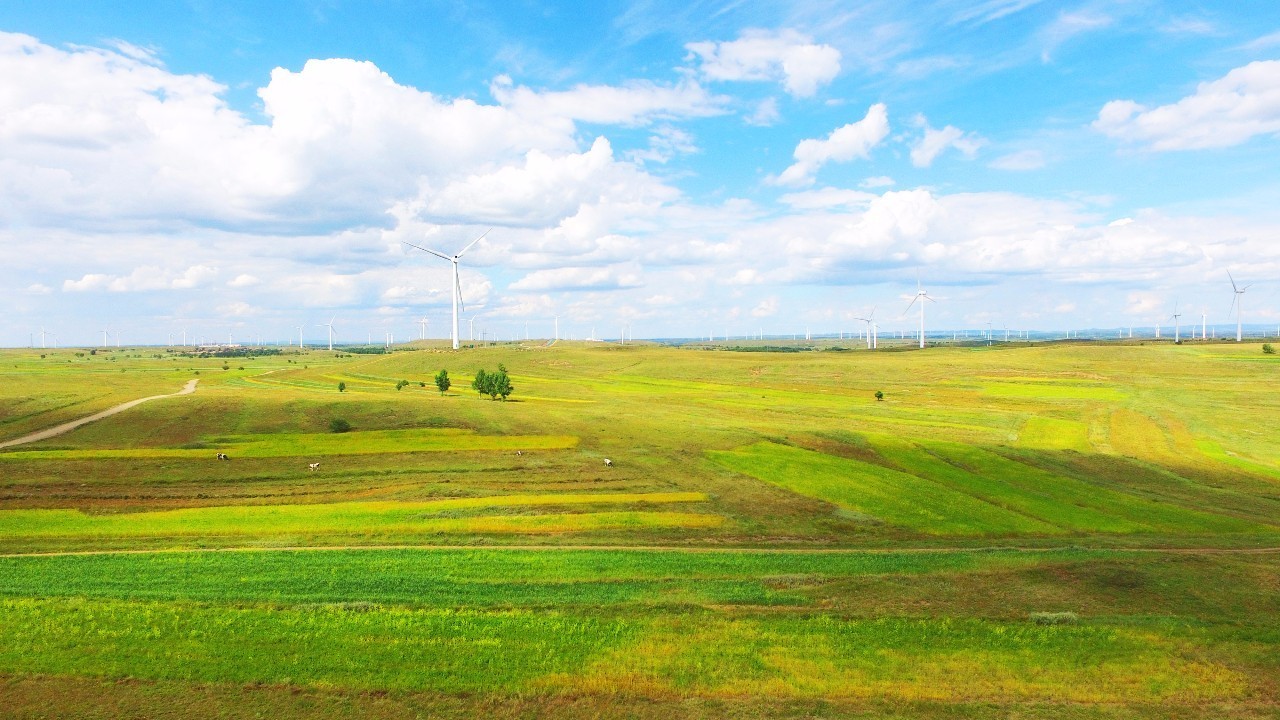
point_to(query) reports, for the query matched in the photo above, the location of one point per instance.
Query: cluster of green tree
(233, 352)
(494, 385)
(363, 349)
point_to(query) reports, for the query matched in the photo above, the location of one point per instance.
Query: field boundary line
(657, 548)
(67, 427)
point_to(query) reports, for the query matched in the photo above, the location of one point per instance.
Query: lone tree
(442, 381)
(342, 387)
(481, 383)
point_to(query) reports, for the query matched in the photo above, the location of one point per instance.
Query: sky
(685, 169)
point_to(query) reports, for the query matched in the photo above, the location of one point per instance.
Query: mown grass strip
(481, 577)
(355, 517)
(370, 647)
(311, 445)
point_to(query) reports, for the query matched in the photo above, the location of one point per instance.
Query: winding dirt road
(187, 389)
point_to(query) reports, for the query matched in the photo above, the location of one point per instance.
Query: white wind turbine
(330, 326)
(872, 336)
(921, 296)
(1204, 323)
(1177, 324)
(423, 323)
(457, 284)
(299, 329)
(1237, 304)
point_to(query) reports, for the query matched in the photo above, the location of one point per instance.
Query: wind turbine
(557, 327)
(1177, 326)
(870, 320)
(1237, 304)
(921, 296)
(457, 284)
(423, 323)
(330, 326)
(1204, 324)
(299, 329)
(104, 338)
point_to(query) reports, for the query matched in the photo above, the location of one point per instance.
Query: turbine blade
(427, 250)
(473, 242)
(457, 287)
(1233, 282)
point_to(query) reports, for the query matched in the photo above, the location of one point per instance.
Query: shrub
(342, 387)
(879, 395)
(339, 425)
(1267, 349)
(400, 385)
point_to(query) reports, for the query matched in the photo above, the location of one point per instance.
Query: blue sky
(685, 168)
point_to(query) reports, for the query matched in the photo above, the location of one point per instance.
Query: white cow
(608, 462)
(313, 466)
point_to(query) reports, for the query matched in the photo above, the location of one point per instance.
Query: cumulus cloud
(845, 143)
(142, 279)
(935, 141)
(760, 55)
(1224, 112)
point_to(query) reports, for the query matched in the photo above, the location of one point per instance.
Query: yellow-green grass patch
(1053, 391)
(905, 659)
(370, 442)
(1047, 433)
(895, 497)
(356, 517)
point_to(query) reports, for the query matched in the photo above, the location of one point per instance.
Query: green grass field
(1065, 530)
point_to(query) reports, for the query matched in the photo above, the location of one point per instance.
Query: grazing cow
(608, 462)
(519, 452)
(223, 456)
(313, 466)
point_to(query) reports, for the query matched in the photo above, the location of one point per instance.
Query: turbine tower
(1237, 304)
(1177, 325)
(921, 296)
(423, 323)
(457, 284)
(870, 320)
(330, 326)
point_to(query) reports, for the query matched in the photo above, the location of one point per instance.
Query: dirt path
(187, 389)
(650, 548)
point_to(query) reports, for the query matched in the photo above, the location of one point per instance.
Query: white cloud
(827, 198)
(934, 142)
(1224, 112)
(768, 307)
(243, 280)
(760, 55)
(638, 102)
(1021, 160)
(544, 191)
(877, 181)
(766, 113)
(144, 278)
(579, 278)
(845, 143)
(1067, 26)
(666, 142)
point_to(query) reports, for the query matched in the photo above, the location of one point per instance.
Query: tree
(1267, 349)
(339, 425)
(481, 383)
(342, 387)
(400, 385)
(500, 384)
(442, 381)
(879, 395)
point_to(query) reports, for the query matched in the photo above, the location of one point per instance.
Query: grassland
(1044, 531)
